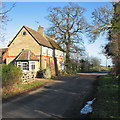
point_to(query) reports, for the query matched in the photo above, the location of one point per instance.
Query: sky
(27, 13)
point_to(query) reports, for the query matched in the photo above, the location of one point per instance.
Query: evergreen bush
(40, 73)
(11, 74)
(63, 72)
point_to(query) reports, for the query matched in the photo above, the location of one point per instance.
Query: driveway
(62, 98)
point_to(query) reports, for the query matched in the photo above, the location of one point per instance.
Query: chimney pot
(41, 30)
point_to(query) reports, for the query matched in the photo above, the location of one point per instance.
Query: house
(31, 50)
(3, 55)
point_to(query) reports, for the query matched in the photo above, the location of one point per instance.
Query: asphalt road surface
(60, 99)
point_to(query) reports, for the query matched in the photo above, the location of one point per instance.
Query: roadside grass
(106, 105)
(0, 75)
(20, 88)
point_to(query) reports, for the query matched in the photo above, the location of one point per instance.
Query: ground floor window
(62, 66)
(19, 64)
(59, 66)
(32, 65)
(28, 65)
(23, 65)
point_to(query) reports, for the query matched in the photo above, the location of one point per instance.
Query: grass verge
(20, 88)
(107, 103)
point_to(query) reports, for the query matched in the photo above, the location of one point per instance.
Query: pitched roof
(53, 43)
(40, 39)
(27, 55)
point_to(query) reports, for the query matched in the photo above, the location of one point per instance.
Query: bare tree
(101, 22)
(4, 18)
(4, 12)
(107, 19)
(67, 24)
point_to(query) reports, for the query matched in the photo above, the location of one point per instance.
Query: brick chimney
(41, 30)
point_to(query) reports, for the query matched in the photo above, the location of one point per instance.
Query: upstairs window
(60, 53)
(43, 50)
(56, 52)
(46, 51)
(50, 52)
(23, 33)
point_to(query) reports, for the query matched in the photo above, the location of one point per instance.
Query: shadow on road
(58, 100)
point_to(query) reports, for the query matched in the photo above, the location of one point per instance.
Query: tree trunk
(68, 53)
(68, 50)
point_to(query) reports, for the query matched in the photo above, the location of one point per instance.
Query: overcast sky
(26, 13)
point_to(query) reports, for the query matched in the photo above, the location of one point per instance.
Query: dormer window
(23, 33)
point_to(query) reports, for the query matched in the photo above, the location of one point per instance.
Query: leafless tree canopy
(67, 24)
(4, 18)
(101, 22)
(107, 19)
(4, 12)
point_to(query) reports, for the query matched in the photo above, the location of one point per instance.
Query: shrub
(63, 72)
(11, 74)
(44, 73)
(47, 73)
(40, 73)
(0, 74)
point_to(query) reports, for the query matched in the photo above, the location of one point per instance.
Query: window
(46, 51)
(50, 52)
(19, 64)
(24, 66)
(60, 53)
(24, 33)
(56, 52)
(62, 66)
(32, 65)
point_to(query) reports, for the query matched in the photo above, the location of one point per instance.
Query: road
(62, 98)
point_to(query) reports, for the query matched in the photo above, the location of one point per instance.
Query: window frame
(24, 33)
(33, 64)
(25, 66)
(20, 64)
